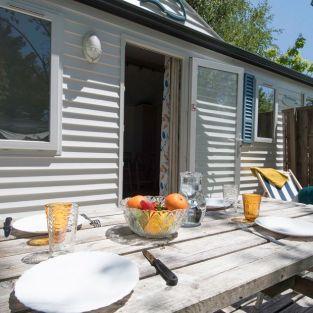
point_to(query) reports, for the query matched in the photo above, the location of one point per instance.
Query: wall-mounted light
(92, 48)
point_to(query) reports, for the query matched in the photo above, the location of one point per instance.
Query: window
(266, 112)
(289, 99)
(308, 101)
(28, 101)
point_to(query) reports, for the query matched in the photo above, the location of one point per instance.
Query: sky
(293, 17)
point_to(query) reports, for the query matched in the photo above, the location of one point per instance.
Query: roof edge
(214, 33)
(138, 15)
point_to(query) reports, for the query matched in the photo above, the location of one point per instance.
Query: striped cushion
(288, 192)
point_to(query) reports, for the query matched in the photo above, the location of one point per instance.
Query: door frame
(194, 64)
(164, 48)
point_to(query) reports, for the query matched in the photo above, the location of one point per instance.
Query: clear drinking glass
(191, 188)
(62, 226)
(230, 196)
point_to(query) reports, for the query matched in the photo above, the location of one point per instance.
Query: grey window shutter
(248, 108)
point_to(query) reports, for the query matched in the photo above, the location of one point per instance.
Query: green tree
(292, 58)
(239, 22)
(266, 99)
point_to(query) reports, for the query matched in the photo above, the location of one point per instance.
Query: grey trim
(172, 28)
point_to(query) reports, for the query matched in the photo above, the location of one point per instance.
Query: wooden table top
(217, 263)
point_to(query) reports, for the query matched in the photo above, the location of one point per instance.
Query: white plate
(286, 226)
(214, 203)
(37, 224)
(77, 282)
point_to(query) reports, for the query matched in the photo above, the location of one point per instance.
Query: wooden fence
(298, 143)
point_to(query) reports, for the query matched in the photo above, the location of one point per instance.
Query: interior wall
(144, 88)
(144, 79)
(149, 89)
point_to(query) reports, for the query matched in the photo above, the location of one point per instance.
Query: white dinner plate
(37, 224)
(77, 282)
(286, 226)
(215, 203)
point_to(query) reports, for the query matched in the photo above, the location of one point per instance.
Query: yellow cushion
(275, 177)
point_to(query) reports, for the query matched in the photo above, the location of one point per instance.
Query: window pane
(308, 101)
(24, 76)
(216, 115)
(289, 99)
(266, 112)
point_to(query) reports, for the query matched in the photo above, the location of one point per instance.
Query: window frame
(307, 95)
(56, 74)
(260, 83)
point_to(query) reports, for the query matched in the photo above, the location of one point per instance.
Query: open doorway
(146, 117)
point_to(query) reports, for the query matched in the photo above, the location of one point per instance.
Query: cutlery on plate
(93, 222)
(266, 237)
(170, 278)
(7, 228)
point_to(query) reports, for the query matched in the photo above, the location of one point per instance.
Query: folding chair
(288, 192)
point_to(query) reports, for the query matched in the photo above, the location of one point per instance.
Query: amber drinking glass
(62, 225)
(251, 206)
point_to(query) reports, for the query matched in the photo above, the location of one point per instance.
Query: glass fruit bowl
(153, 223)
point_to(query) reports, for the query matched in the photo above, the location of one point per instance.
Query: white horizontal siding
(87, 170)
(262, 155)
(255, 155)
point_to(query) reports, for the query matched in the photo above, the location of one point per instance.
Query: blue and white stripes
(288, 192)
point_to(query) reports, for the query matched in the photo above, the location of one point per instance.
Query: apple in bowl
(155, 216)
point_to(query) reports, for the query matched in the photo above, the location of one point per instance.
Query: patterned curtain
(169, 158)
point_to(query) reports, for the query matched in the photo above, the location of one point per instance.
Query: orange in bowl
(176, 201)
(134, 202)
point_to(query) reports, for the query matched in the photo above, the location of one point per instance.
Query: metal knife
(266, 237)
(170, 278)
(7, 227)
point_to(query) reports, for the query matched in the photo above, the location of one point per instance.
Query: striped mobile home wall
(87, 169)
(259, 154)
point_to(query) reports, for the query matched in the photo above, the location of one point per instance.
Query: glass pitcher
(191, 188)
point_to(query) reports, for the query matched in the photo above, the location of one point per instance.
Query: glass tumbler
(191, 188)
(62, 226)
(230, 196)
(251, 206)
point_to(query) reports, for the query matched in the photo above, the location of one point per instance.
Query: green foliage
(239, 22)
(292, 58)
(248, 27)
(266, 99)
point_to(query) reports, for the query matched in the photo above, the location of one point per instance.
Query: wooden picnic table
(217, 264)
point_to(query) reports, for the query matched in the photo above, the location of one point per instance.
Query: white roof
(193, 20)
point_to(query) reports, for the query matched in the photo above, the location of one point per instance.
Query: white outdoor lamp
(92, 48)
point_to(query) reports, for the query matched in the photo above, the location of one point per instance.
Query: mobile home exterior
(82, 159)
